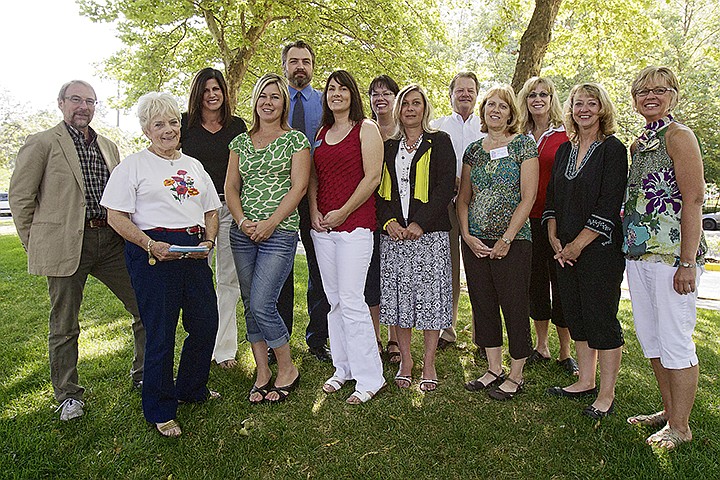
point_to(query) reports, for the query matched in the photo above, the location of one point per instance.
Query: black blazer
(433, 215)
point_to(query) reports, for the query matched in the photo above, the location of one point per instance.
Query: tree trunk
(535, 41)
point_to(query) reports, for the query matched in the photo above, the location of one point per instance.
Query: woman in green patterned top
(497, 191)
(267, 175)
(665, 250)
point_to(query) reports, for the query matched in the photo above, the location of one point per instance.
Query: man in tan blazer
(55, 192)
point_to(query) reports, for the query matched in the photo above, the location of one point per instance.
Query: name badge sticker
(501, 152)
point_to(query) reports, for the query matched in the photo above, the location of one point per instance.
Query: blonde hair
(608, 124)
(525, 118)
(260, 85)
(506, 94)
(655, 75)
(427, 111)
(156, 104)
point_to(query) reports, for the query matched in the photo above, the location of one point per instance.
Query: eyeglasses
(77, 100)
(384, 95)
(657, 91)
(541, 95)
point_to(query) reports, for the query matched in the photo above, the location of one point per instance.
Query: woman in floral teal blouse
(271, 163)
(665, 250)
(497, 190)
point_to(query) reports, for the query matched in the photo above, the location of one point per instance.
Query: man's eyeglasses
(384, 95)
(657, 91)
(77, 100)
(541, 95)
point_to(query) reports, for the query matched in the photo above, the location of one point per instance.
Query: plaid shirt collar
(78, 135)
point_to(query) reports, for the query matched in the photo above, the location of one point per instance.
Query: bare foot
(228, 364)
(169, 429)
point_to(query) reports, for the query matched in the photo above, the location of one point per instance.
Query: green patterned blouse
(265, 175)
(496, 188)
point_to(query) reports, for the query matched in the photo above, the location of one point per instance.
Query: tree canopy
(427, 42)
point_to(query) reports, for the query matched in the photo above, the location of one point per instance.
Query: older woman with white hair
(165, 205)
(415, 273)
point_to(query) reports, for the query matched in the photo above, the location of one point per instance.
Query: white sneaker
(71, 408)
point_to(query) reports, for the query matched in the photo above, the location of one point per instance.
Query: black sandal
(500, 394)
(283, 392)
(393, 357)
(261, 390)
(476, 385)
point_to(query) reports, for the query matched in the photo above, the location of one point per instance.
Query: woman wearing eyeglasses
(582, 212)
(665, 250)
(382, 92)
(541, 118)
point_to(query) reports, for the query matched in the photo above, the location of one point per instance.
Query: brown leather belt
(195, 229)
(96, 223)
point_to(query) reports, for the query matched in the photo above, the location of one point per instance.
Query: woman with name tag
(582, 213)
(161, 200)
(497, 190)
(347, 164)
(267, 176)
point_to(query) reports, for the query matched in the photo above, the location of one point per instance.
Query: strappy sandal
(667, 439)
(428, 384)
(654, 420)
(393, 357)
(403, 381)
(169, 429)
(499, 394)
(263, 391)
(283, 392)
(333, 383)
(477, 385)
(363, 397)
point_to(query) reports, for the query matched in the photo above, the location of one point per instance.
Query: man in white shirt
(463, 126)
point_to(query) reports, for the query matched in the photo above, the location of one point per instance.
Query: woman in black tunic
(582, 213)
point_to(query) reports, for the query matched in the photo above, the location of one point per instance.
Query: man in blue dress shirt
(298, 60)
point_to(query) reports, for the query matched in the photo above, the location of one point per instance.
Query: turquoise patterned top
(496, 187)
(653, 208)
(265, 175)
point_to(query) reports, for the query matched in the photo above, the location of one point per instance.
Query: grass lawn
(450, 433)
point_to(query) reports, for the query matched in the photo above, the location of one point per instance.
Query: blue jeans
(262, 268)
(162, 291)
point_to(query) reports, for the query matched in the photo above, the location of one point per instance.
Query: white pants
(664, 319)
(228, 291)
(343, 258)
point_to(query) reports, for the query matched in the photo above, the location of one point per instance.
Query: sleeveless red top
(339, 170)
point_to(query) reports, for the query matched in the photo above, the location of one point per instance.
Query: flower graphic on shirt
(181, 185)
(661, 192)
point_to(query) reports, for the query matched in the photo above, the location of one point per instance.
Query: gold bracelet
(151, 259)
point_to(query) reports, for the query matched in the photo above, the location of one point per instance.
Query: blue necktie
(298, 117)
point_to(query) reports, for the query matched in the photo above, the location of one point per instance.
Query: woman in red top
(347, 165)
(542, 119)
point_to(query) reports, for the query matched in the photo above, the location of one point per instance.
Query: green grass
(451, 433)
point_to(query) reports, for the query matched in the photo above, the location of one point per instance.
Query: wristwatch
(688, 265)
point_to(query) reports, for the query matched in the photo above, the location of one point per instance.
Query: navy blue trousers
(162, 291)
